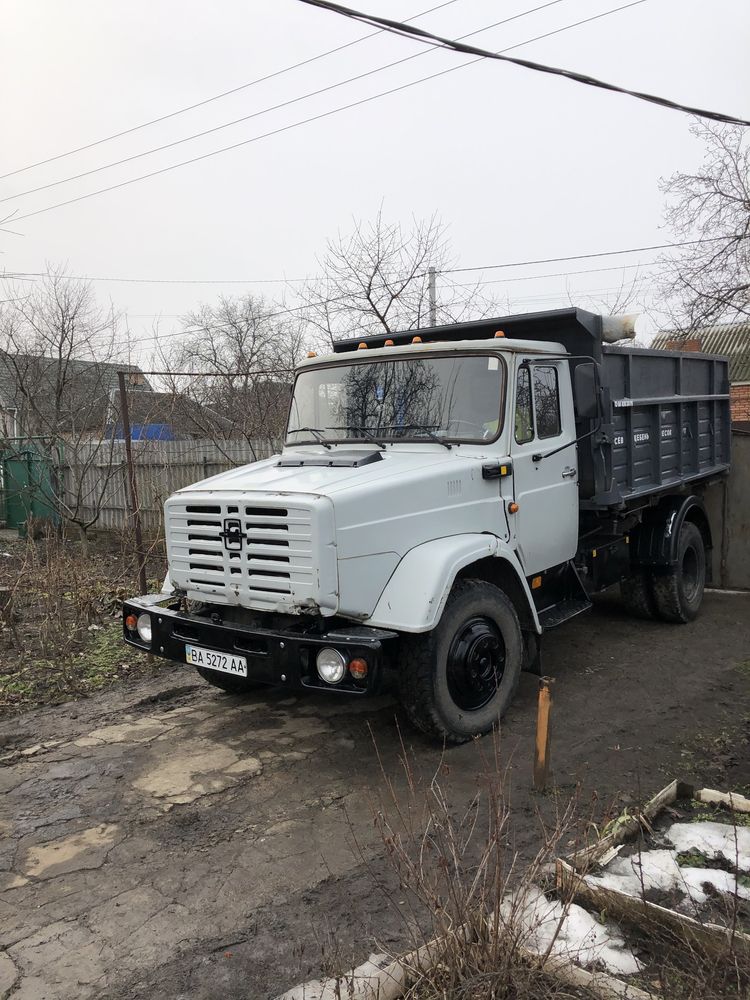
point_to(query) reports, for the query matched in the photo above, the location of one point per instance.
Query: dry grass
(59, 618)
(461, 882)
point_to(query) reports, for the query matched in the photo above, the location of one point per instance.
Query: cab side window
(524, 419)
(546, 401)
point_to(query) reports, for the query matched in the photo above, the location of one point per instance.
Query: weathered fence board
(95, 478)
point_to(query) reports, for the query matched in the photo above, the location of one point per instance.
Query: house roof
(730, 339)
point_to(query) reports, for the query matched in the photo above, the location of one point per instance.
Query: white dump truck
(443, 498)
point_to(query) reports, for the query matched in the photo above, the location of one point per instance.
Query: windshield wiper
(360, 431)
(316, 431)
(425, 430)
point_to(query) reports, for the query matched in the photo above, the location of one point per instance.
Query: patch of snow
(570, 932)
(695, 879)
(713, 840)
(640, 873)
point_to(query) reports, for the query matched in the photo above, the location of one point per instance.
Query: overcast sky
(519, 165)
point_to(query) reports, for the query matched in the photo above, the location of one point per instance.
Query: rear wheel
(679, 593)
(458, 680)
(228, 683)
(638, 596)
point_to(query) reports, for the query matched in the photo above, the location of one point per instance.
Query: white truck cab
(428, 517)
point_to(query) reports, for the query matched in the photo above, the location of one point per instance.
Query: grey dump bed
(670, 421)
(665, 417)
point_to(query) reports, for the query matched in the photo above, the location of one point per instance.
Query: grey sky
(519, 165)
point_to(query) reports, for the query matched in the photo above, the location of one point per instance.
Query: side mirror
(585, 391)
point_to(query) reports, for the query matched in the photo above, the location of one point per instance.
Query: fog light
(358, 669)
(331, 665)
(143, 627)
(131, 623)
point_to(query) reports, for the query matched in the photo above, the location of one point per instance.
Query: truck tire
(228, 683)
(679, 593)
(457, 681)
(638, 596)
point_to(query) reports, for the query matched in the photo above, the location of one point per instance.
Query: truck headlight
(143, 627)
(331, 665)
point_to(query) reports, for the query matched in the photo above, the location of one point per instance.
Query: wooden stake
(541, 755)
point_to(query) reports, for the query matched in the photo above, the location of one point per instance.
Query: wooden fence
(95, 478)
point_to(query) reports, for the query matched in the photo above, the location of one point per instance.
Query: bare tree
(241, 358)
(709, 281)
(59, 354)
(376, 280)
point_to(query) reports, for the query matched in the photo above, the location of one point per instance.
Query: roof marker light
(499, 333)
(388, 343)
(416, 340)
(312, 354)
(362, 346)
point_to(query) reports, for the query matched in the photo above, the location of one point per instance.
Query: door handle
(569, 472)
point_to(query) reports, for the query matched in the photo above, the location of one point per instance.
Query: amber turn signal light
(513, 508)
(131, 623)
(358, 669)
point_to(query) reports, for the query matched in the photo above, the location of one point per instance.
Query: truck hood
(325, 480)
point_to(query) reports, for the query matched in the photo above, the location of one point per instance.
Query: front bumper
(283, 657)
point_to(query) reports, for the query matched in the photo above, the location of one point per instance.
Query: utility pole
(432, 292)
(135, 507)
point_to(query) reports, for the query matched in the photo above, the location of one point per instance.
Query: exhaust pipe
(616, 328)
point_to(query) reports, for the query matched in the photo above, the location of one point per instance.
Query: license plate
(226, 663)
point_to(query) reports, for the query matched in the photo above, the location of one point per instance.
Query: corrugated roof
(730, 339)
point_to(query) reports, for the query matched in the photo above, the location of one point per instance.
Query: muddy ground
(162, 839)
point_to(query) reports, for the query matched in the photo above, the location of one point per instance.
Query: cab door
(546, 488)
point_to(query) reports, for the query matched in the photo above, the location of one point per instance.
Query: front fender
(415, 595)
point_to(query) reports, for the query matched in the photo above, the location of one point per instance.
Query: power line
(408, 31)
(582, 256)
(318, 117)
(27, 275)
(217, 97)
(264, 111)
(31, 275)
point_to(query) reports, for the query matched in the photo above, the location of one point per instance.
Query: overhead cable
(217, 97)
(409, 31)
(318, 117)
(264, 111)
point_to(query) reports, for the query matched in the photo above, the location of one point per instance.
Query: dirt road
(162, 839)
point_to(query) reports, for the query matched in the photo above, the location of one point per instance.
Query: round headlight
(143, 627)
(331, 665)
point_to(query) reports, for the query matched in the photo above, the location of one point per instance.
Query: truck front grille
(252, 554)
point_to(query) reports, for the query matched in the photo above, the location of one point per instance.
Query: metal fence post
(135, 509)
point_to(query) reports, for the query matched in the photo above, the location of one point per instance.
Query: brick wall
(683, 345)
(740, 402)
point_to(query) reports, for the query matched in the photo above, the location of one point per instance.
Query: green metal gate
(27, 482)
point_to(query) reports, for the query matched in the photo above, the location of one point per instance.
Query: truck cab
(442, 499)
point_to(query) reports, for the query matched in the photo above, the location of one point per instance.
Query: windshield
(454, 398)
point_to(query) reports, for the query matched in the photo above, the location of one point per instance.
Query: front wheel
(227, 682)
(458, 680)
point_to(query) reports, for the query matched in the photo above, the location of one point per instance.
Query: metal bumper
(283, 657)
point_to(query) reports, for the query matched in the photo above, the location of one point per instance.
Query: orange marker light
(312, 354)
(416, 340)
(358, 669)
(513, 508)
(362, 346)
(499, 333)
(131, 623)
(536, 583)
(388, 343)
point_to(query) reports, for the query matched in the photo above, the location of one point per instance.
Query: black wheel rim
(476, 662)
(691, 574)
